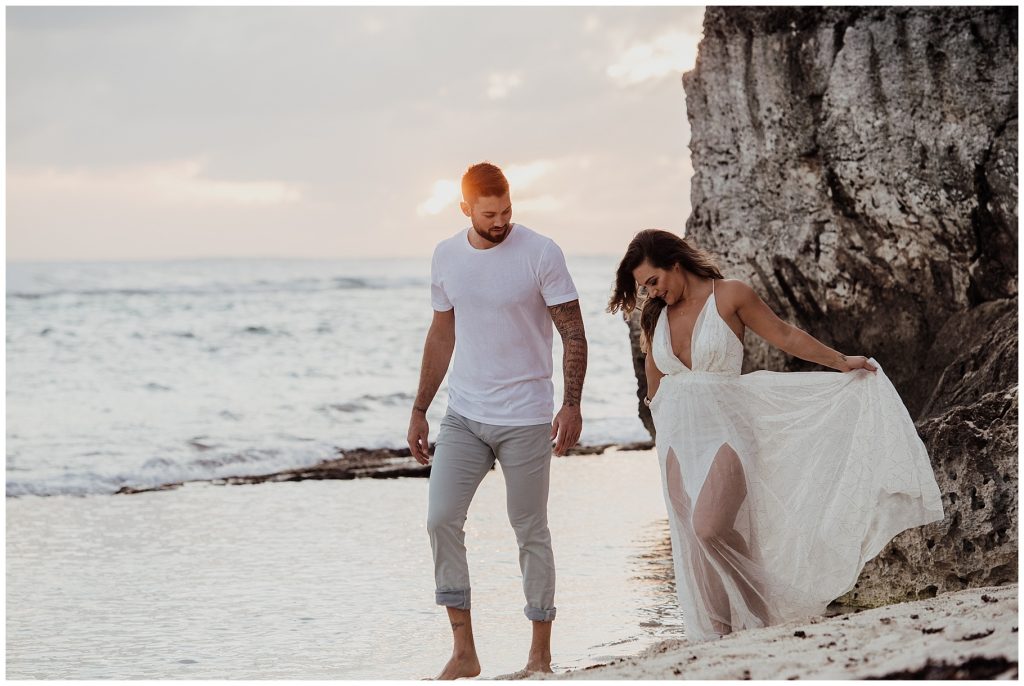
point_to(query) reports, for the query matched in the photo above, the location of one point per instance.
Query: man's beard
(487, 236)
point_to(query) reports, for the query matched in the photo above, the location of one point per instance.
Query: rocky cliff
(858, 167)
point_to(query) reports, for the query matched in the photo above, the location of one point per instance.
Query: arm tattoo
(569, 321)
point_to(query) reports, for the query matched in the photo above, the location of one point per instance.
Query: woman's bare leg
(750, 588)
(714, 518)
(711, 590)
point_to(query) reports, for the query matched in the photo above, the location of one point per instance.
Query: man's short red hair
(483, 180)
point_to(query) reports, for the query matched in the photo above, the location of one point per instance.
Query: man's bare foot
(459, 667)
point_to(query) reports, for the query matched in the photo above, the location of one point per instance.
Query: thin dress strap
(712, 285)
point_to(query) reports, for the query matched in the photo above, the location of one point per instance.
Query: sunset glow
(669, 53)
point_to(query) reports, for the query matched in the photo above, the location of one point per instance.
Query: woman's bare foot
(720, 628)
(460, 666)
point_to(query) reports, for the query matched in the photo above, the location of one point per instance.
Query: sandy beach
(969, 634)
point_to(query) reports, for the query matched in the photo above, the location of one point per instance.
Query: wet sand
(325, 579)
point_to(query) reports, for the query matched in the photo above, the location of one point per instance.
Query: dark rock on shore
(362, 463)
(972, 668)
(384, 463)
(857, 166)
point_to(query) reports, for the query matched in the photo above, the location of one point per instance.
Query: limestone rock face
(857, 166)
(974, 353)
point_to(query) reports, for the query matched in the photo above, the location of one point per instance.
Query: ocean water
(145, 373)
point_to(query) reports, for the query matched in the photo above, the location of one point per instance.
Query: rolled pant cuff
(535, 614)
(458, 599)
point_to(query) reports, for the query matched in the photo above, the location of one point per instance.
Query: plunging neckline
(693, 331)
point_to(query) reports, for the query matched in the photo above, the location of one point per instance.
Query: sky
(338, 132)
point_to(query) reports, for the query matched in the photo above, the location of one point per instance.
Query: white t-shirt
(502, 369)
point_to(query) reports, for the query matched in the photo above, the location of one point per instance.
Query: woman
(779, 486)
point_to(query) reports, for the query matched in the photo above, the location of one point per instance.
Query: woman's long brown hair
(663, 250)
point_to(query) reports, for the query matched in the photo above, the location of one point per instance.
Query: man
(496, 288)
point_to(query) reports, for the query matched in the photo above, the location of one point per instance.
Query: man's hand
(419, 429)
(566, 428)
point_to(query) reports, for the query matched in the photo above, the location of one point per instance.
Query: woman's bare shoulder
(733, 289)
(735, 296)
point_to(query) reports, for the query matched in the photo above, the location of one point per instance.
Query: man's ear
(465, 208)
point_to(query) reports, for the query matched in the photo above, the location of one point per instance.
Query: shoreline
(968, 634)
(362, 463)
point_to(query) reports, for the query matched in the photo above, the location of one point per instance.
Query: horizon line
(212, 258)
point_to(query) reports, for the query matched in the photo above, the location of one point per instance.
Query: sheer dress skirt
(781, 486)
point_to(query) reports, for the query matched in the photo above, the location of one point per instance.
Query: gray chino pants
(463, 454)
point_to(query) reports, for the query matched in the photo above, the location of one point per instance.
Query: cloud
(371, 25)
(670, 53)
(444, 193)
(541, 203)
(447, 192)
(502, 83)
(178, 182)
(522, 176)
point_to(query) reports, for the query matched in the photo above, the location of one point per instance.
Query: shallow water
(145, 373)
(324, 579)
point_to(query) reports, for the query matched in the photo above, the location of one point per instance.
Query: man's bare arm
(437, 354)
(568, 320)
(568, 424)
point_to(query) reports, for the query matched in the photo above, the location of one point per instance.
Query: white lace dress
(780, 486)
